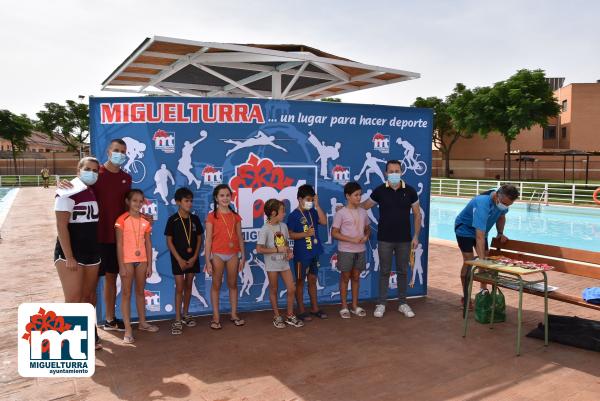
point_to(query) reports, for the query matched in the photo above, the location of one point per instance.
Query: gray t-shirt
(271, 236)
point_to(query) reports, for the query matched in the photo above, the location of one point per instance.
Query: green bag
(483, 307)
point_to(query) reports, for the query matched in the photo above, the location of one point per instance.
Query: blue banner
(263, 149)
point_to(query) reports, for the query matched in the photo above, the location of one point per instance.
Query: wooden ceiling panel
(141, 70)
(127, 78)
(154, 60)
(172, 48)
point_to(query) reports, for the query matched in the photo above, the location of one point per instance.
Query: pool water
(7, 195)
(571, 227)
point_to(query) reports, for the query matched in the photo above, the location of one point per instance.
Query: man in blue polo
(475, 221)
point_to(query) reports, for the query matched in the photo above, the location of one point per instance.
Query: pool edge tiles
(5, 204)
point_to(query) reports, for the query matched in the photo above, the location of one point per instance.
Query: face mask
(308, 205)
(88, 177)
(117, 158)
(502, 206)
(394, 178)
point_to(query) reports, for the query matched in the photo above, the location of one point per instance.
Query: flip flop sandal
(215, 325)
(176, 328)
(345, 313)
(128, 340)
(148, 327)
(360, 312)
(320, 314)
(237, 321)
(304, 316)
(188, 321)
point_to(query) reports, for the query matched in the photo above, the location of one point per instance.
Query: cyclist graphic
(135, 167)
(410, 162)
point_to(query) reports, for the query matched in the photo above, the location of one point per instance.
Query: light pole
(80, 97)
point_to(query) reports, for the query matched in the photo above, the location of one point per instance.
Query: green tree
(445, 133)
(16, 129)
(69, 124)
(332, 99)
(509, 107)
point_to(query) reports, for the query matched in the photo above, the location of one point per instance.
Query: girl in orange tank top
(134, 252)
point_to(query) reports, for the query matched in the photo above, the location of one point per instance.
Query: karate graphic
(326, 153)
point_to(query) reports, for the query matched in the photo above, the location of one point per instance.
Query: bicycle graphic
(418, 166)
(137, 170)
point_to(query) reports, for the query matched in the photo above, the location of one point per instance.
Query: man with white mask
(395, 199)
(475, 221)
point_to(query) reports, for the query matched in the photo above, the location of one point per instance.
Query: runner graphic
(326, 153)
(246, 275)
(155, 277)
(161, 178)
(185, 163)
(417, 268)
(259, 139)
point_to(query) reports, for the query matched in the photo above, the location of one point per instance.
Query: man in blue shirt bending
(476, 220)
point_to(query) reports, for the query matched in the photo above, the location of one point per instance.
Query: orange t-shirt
(134, 231)
(224, 226)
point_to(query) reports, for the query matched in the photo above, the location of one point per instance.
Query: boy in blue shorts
(303, 224)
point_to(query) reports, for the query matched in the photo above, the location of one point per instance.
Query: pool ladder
(535, 204)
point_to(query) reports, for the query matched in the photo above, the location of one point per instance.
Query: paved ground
(394, 358)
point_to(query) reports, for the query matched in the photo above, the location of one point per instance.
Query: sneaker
(379, 311)
(294, 321)
(114, 325)
(278, 322)
(404, 308)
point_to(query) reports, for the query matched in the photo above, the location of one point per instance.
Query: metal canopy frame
(522, 155)
(179, 67)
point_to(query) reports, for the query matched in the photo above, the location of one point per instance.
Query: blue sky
(52, 51)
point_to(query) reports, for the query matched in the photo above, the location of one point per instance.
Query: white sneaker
(404, 308)
(379, 311)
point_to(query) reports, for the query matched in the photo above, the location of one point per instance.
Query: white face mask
(308, 205)
(88, 177)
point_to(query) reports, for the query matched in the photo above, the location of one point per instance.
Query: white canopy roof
(179, 67)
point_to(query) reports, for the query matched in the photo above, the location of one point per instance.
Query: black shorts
(110, 263)
(467, 244)
(84, 258)
(176, 270)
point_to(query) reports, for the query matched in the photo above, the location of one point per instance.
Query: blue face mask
(502, 207)
(394, 178)
(88, 177)
(117, 158)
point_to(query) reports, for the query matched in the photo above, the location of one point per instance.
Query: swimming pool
(572, 227)
(7, 195)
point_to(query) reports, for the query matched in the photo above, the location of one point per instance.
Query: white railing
(28, 180)
(553, 192)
